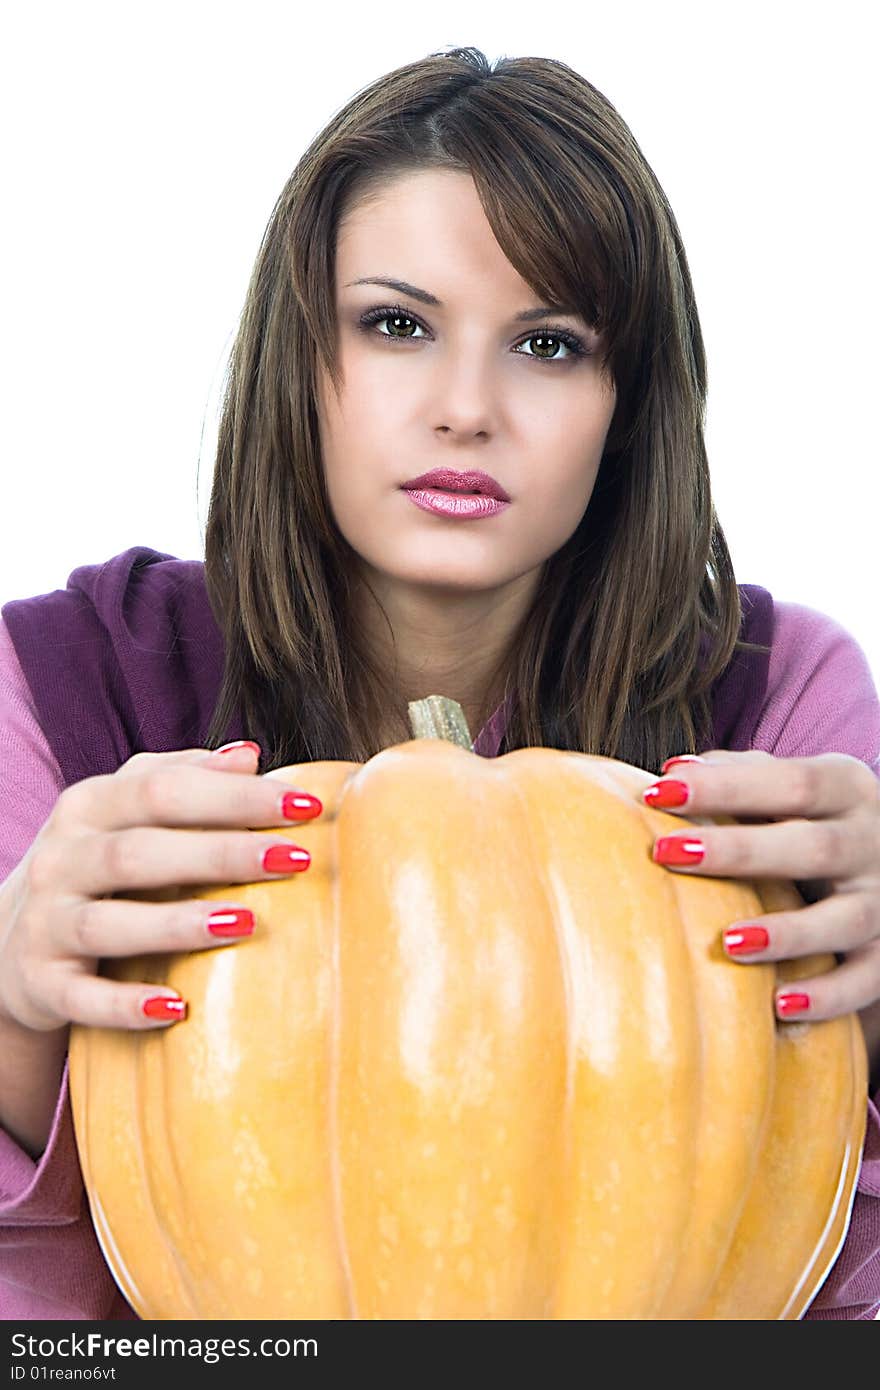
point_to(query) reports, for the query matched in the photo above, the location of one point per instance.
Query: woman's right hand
(58, 915)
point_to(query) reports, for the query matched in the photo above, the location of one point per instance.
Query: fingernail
(678, 849)
(791, 1003)
(741, 941)
(300, 806)
(684, 758)
(239, 922)
(239, 743)
(284, 859)
(670, 793)
(164, 1006)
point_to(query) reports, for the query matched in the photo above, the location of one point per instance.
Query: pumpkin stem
(439, 717)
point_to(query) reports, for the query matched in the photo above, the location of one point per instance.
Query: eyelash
(387, 311)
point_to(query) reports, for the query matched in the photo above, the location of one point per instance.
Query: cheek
(361, 417)
(554, 517)
(339, 435)
(564, 483)
(552, 504)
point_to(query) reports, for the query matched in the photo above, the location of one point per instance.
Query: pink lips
(459, 505)
(459, 495)
(448, 480)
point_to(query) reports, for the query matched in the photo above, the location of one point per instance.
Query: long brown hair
(639, 611)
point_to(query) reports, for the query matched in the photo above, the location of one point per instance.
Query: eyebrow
(403, 287)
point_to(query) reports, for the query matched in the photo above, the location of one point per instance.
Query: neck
(444, 643)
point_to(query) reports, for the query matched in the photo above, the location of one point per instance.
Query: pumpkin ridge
(150, 1064)
(828, 1246)
(553, 896)
(334, 1066)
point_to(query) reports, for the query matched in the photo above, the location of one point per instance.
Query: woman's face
(463, 384)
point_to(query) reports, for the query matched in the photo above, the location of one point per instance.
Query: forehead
(448, 192)
(425, 227)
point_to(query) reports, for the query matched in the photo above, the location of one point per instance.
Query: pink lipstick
(455, 504)
(453, 494)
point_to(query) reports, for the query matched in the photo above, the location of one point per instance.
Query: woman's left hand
(824, 835)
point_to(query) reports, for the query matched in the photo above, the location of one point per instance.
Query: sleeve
(51, 1265)
(821, 698)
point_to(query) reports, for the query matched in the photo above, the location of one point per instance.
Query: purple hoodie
(129, 658)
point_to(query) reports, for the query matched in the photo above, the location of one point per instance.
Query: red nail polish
(284, 859)
(678, 850)
(300, 806)
(791, 1003)
(239, 743)
(164, 1006)
(684, 758)
(235, 922)
(741, 941)
(666, 794)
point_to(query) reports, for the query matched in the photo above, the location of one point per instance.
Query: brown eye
(551, 338)
(398, 317)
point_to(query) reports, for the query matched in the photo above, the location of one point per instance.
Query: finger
(842, 922)
(243, 755)
(115, 927)
(168, 793)
(100, 1003)
(147, 859)
(846, 848)
(844, 989)
(757, 784)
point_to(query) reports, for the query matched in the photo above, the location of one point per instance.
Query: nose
(465, 394)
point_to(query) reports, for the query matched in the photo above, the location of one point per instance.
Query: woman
(472, 270)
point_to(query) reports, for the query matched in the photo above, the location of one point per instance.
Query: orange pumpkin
(485, 1059)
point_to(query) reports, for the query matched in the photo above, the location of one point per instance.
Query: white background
(145, 148)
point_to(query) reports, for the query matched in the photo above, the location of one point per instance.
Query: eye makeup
(371, 317)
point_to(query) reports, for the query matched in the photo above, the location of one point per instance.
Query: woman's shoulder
(811, 647)
(133, 645)
(30, 778)
(821, 695)
(135, 595)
